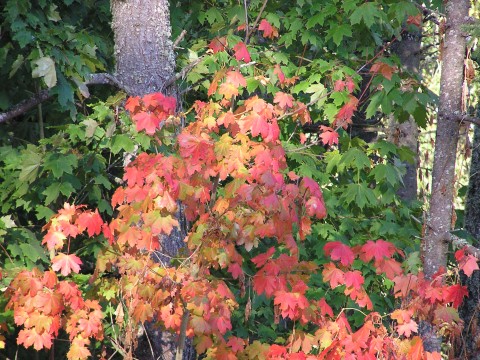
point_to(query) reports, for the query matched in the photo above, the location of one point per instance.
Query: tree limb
(23, 106)
(462, 243)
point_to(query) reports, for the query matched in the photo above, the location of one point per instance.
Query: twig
(179, 38)
(25, 105)
(182, 73)
(256, 21)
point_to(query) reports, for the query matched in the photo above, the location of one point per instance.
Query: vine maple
(229, 172)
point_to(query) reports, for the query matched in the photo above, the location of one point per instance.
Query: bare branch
(182, 73)
(25, 105)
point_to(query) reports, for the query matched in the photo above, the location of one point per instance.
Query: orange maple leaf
(66, 263)
(283, 100)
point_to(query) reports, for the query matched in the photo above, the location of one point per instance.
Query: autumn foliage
(229, 175)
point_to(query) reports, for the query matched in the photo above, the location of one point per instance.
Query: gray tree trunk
(470, 347)
(144, 62)
(406, 133)
(450, 109)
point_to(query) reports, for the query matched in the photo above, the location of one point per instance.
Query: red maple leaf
(146, 121)
(241, 52)
(261, 259)
(263, 283)
(455, 294)
(339, 251)
(344, 116)
(269, 31)
(277, 70)
(91, 221)
(377, 250)
(325, 309)
(390, 267)
(283, 100)
(218, 44)
(469, 265)
(236, 270)
(333, 275)
(328, 136)
(415, 20)
(66, 263)
(354, 279)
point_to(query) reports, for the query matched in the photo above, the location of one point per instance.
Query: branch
(23, 106)
(182, 73)
(462, 243)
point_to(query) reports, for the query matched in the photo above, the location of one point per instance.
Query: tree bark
(143, 48)
(145, 61)
(406, 133)
(443, 174)
(470, 348)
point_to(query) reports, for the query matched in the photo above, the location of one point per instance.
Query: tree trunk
(406, 133)
(143, 48)
(439, 219)
(469, 348)
(144, 62)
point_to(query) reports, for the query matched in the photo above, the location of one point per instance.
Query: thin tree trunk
(406, 133)
(450, 109)
(469, 311)
(144, 62)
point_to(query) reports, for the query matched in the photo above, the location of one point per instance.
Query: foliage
(265, 272)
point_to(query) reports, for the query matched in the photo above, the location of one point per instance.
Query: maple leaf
(350, 84)
(407, 328)
(384, 69)
(236, 78)
(200, 325)
(325, 309)
(277, 351)
(277, 70)
(263, 283)
(218, 44)
(328, 135)
(147, 121)
(237, 344)
(132, 104)
(66, 263)
(79, 349)
(236, 270)
(354, 279)
(159, 224)
(455, 294)
(333, 275)
(228, 90)
(469, 264)
(203, 343)
(390, 267)
(377, 250)
(29, 337)
(54, 240)
(416, 351)
(415, 20)
(283, 100)
(269, 31)
(344, 116)
(90, 221)
(241, 52)
(261, 259)
(339, 251)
